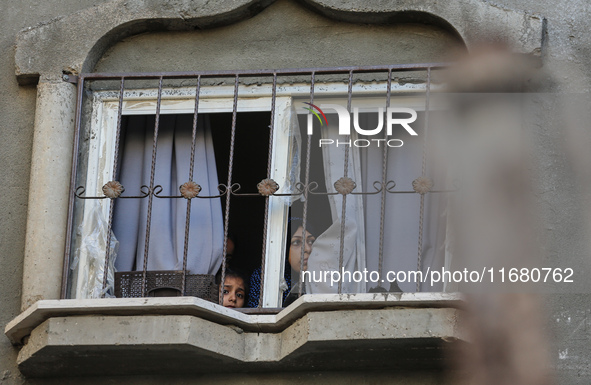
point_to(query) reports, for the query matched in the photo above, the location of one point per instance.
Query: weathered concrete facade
(122, 36)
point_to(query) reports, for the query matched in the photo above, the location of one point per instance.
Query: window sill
(189, 335)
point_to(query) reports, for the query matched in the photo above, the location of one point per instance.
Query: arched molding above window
(474, 21)
(74, 43)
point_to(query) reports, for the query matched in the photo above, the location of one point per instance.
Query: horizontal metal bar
(233, 190)
(265, 72)
(70, 78)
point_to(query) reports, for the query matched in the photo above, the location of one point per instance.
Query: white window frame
(103, 127)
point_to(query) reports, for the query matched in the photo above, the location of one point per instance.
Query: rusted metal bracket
(70, 78)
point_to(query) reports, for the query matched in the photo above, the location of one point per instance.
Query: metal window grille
(180, 281)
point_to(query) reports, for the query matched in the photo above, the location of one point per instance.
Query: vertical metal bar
(306, 183)
(191, 169)
(118, 133)
(345, 175)
(384, 177)
(423, 172)
(71, 199)
(114, 177)
(151, 196)
(269, 159)
(229, 187)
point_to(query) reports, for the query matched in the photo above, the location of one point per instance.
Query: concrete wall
(565, 203)
(17, 106)
(295, 378)
(567, 54)
(284, 35)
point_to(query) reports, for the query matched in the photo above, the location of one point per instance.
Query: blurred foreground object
(494, 218)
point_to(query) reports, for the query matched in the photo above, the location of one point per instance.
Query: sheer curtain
(167, 232)
(402, 211)
(326, 250)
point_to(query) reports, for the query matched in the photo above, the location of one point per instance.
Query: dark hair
(295, 223)
(235, 274)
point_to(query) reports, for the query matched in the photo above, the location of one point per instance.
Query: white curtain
(326, 250)
(88, 264)
(167, 232)
(401, 220)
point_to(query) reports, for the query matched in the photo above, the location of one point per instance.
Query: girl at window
(293, 257)
(234, 289)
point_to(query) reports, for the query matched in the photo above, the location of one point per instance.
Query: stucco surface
(566, 57)
(566, 53)
(403, 338)
(283, 378)
(563, 187)
(96, 29)
(284, 35)
(17, 106)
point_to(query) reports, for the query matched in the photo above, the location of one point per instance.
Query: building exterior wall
(566, 54)
(17, 111)
(284, 35)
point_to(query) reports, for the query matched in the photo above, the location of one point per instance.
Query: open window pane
(391, 232)
(246, 215)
